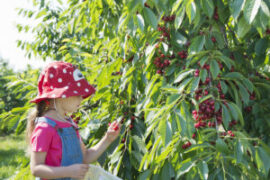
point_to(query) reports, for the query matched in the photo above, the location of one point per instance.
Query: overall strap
(46, 120)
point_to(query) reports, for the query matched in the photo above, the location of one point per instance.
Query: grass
(12, 155)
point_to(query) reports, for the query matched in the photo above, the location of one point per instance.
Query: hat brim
(85, 91)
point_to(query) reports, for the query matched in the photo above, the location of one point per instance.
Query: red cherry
(131, 126)
(197, 72)
(133, 118)
(77, 119)
(197, 125)
(159, 71)
(212, 142)
(184, 146)
(116, 128)
(123, 140)
(222, 96)
(122, 120)
(213, 39)
(146, 5)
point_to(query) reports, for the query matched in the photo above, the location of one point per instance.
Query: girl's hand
(78, 171)
(113, 131)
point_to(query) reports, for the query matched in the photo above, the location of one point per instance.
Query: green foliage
(117, 45)
(12, 96)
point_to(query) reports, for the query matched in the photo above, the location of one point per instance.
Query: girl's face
(70, 104)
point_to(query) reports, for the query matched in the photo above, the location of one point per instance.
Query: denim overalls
(71, 149)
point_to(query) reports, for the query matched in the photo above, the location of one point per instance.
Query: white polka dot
(70, 73)
(78, 84)
(64, 96)
(64, 71)
(51, 75)
(51, 87)
(86, 90)
(53, 95)
(75, 92)
(66, 87)
(55, 67)
(60, 80)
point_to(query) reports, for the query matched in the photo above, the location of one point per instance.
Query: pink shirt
(46, 139)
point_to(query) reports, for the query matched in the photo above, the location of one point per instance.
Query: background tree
(189, 79)
(10, 97)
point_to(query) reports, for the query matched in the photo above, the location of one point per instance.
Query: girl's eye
(77, 75)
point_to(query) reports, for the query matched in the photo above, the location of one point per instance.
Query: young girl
(57, 151)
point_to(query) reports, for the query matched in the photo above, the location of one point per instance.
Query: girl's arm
(92, 154)
(39, 169)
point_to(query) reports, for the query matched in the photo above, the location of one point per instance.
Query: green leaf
(144, 175)
(176, 5)
(184, 84)
(233, 111)
(265, 159)
(242, 27)
(41, 13)
(205, 98)
(203, 170)
(179, 18)
(244, 93)
(251, 9)
(172, 98)
(248, 84)
(182, 75)
(224, 87)
(214, 68)
(150, 17)
(265, 9)
(261, 46)
(239, 112)
(197, 44)
(259, 161)
(236, 7)
(140, 143)
(186, 165)
(194, 84)
(228, 62)
(191, 10)
(239, 151)
(165, 131)
(139, 21)
(167, 171)
(203, 75)
(182, 125)
(208, 7)
(179, 39)
(234, 75)
(221, 146)
(226, 117)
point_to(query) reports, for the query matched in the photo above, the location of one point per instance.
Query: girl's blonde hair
(38, 111)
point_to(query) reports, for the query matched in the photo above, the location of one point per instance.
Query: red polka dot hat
(61, 80)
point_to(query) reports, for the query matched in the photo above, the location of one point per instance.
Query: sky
(9, 34)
